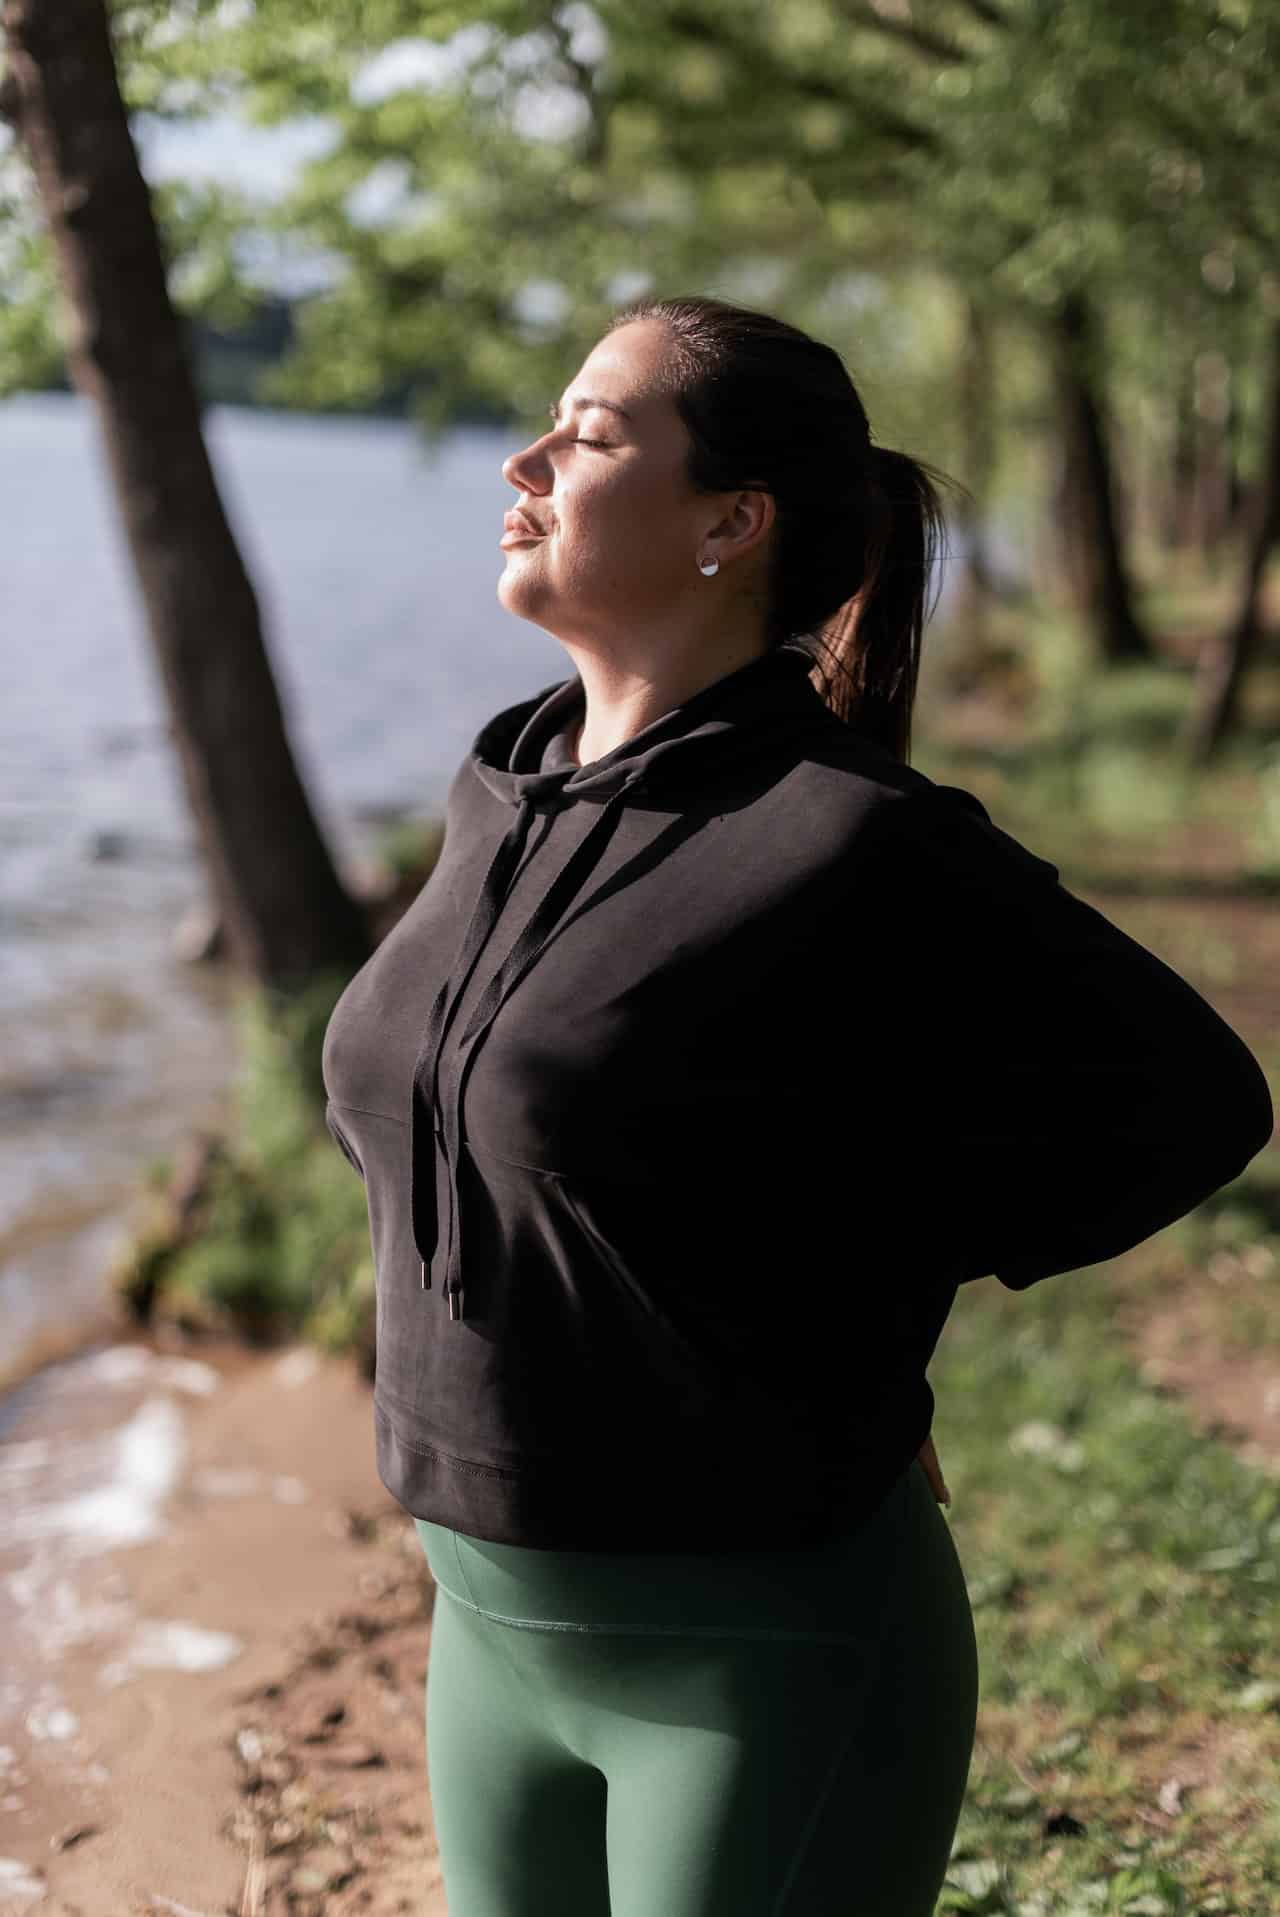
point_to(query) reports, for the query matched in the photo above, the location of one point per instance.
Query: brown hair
(857, 527)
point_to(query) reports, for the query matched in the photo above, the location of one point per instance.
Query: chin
(521, 596)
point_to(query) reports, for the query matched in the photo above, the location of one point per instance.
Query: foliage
(410, 847)
(490, 182)
(497, 178)
(1086, 765)
(30, 344)
(282, 1247)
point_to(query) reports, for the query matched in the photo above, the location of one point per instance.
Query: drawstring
(523, 955)
(484, 916)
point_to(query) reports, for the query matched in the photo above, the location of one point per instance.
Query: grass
(1123, 1565)
(1124, 1575)
(1089, 762)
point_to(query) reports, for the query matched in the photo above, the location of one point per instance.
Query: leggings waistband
(833, 1590)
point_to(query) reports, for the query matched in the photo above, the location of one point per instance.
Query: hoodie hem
(644, 1501)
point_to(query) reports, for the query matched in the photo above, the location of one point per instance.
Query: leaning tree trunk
(1090, 520)
(283, 907)
(1224, 660)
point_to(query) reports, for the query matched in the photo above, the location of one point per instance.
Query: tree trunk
(1214, 382)
(1180, 525)
(1090, 521)
(286, 913)
(1223, 661)
(1235, 490)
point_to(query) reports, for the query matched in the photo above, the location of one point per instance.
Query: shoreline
(219, 1622)
(57, 1342)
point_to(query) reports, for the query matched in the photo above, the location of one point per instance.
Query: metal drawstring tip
(426, 1276)
(455, 1305)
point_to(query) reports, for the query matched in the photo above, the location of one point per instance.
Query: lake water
(376, 563)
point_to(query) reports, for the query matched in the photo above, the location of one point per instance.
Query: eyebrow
(583, 403)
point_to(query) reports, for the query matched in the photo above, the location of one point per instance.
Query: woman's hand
(933, 1471)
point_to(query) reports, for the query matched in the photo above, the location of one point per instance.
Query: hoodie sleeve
(1077, 1094)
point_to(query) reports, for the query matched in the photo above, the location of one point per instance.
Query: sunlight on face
(605, 488)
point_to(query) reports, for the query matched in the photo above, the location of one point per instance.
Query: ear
(746, 522)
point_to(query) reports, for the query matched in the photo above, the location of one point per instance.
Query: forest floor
(1112, 1442)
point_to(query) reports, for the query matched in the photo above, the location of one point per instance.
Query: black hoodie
(692, 1085)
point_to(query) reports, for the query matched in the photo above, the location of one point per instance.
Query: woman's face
(620, 530)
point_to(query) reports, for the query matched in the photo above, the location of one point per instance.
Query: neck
(621, 701)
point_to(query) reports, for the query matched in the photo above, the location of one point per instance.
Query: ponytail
(868, 652)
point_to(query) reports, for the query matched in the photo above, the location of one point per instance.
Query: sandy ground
(215, 1625)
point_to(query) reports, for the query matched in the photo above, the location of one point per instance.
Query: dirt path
(1190, 1330)
(1227, 1393)
(223, 1716)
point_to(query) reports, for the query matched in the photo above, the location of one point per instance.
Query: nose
(527, 471)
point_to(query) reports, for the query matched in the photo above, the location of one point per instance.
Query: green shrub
(282, 1245)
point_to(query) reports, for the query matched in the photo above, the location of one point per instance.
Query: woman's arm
(1074, 1093)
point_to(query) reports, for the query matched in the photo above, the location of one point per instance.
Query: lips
(516, 522)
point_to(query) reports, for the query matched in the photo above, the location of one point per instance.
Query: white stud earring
(708, 566)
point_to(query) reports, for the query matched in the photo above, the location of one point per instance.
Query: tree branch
(934, 46)
(984, 10)
(597, 145)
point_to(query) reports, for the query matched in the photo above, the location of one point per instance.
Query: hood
(522, 756)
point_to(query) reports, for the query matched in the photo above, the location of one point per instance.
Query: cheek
(612, 510)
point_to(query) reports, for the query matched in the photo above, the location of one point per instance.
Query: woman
(732, 1045)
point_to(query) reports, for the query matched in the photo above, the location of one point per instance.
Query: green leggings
(771, 1733)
